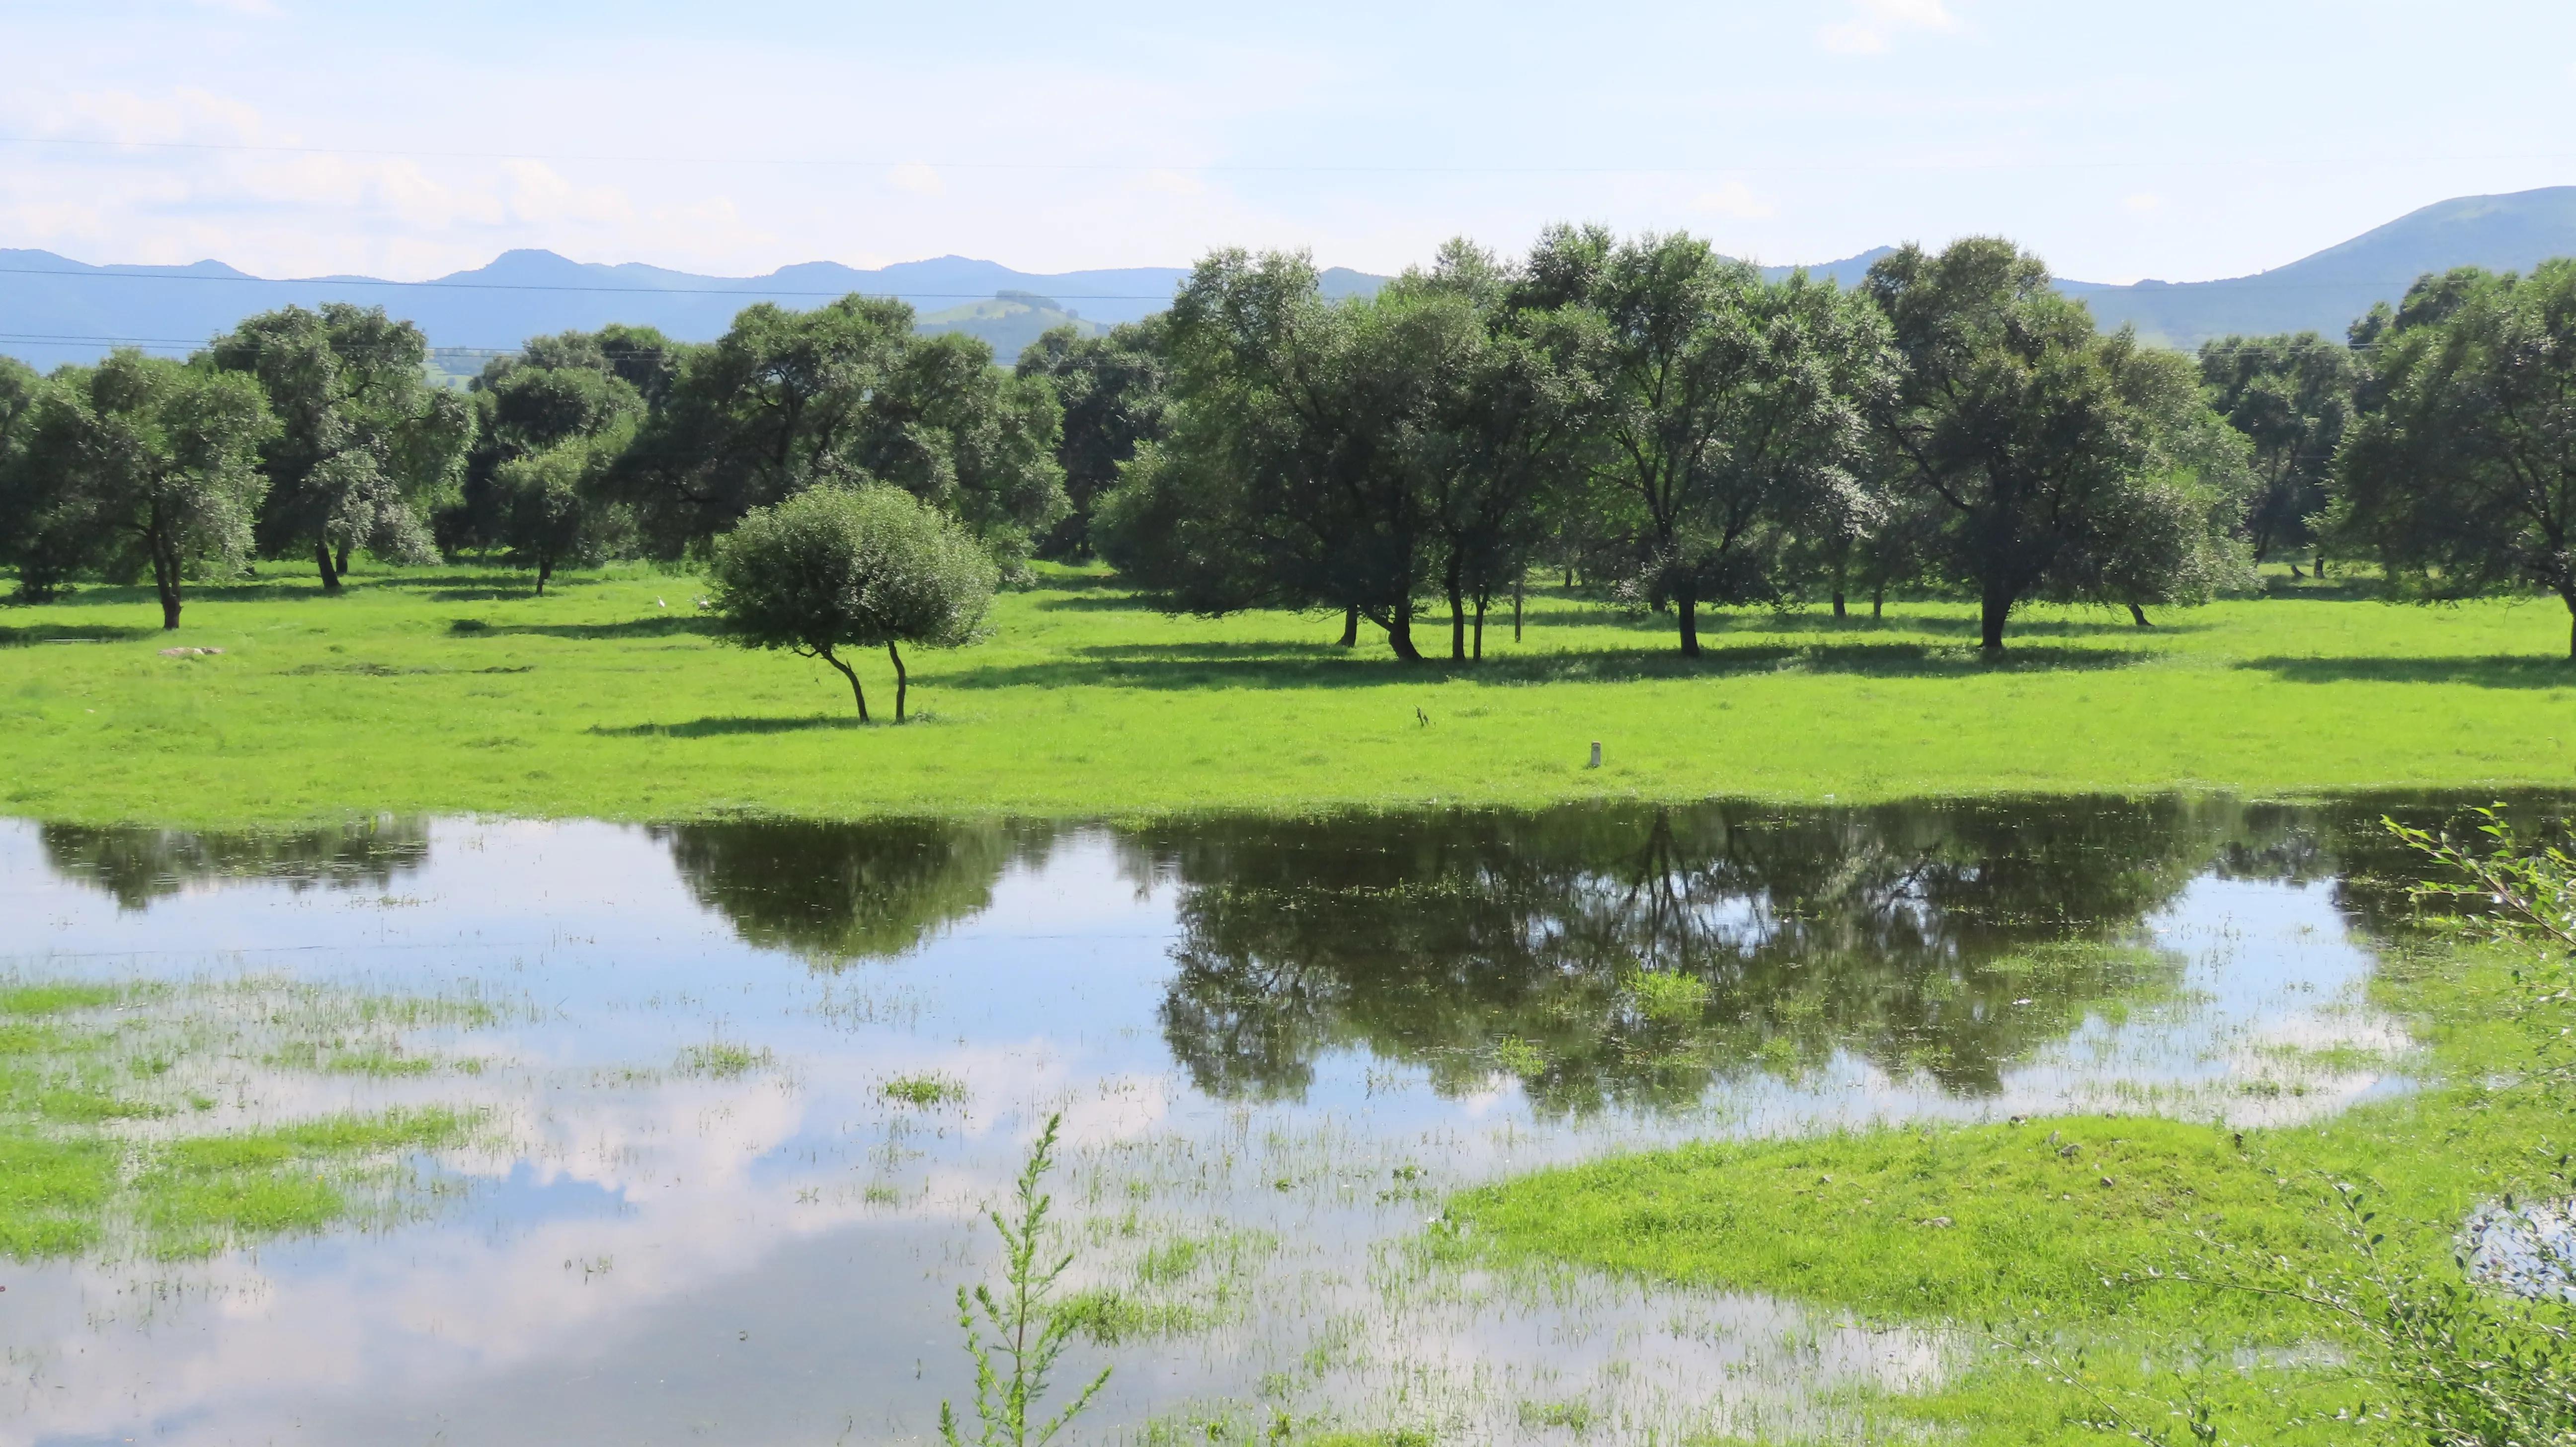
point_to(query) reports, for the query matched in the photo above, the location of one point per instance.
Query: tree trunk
(902, 680)
(1350, 627)
(2321, 562)
(1997, 606)
(165, 581)
(856, 692)
(330, 575)
(545, 570)
(1686, 604)
(1399, 632)
(2140, 615)
(2565, 595)
(1457, 615)
(1480, 630)
(1516, 610)
(1839, 611)
(342, 558)
(1877, 602)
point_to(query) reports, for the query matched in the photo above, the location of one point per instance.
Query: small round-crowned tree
(835, 568)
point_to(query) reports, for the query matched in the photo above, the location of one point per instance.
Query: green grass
(2068, 1223)
(927, 1090)
(452, 689)
(80, 1062)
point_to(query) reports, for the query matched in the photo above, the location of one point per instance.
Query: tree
(548, 513)
(1285, 480)
(2460, 472)
(2010, 419)
(365, 446)
(40, 558)
(1354, 456)
(845, 394)
(156, 466)
(2292, 397)
(2174, 536)
(1111, 389)
(1730, 414)
(840, 567)
(1497, 452)
(552, 424)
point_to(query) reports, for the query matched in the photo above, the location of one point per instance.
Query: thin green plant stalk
(1005, 1396)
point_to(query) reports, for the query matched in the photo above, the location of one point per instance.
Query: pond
(740, 1092)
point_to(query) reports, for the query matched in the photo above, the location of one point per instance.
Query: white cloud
(2143, 203)
(1736, 202)
(918, 179)
(1881, 21)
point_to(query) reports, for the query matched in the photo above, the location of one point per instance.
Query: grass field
(452, 689)
(2049, 1236)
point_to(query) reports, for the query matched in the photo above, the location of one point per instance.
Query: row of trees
(1667, 426)
(315, 435)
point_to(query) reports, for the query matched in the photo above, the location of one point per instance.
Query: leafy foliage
(1029, 1336)
(842, 567)
(365, 448)
(2460, 476)
(149, 465)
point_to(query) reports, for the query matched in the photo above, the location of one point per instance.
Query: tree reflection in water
(1634, 955)
(135, 866)
(838, 893)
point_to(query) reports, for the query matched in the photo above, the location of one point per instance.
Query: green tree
(1355, 457)
(1111, 389)
(2292, 397)
(845, 394)
(839, 567)
(365, 447)
(156, 464)
(25, 493)
(1730, 417)
(2173, 537)
(2012, 421)
(1497, 453)
(549, 511)
(2460, 472)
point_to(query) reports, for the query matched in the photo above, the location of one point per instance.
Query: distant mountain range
(54, 310)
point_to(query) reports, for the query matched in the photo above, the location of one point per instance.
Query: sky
(2181, 140)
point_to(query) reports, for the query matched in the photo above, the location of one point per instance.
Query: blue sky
(2179, 140)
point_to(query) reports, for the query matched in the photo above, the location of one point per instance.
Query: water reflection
(1297, 1033)
(1634, 955)
(136, 866)
(835, 893)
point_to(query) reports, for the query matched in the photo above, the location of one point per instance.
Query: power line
(741, 291)
(864, 163)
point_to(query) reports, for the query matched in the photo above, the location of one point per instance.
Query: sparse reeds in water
(1011, 1373)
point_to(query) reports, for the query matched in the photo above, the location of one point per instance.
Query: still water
(697, 1213)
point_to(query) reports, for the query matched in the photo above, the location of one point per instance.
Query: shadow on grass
(1099, 602)
(2493, 671)
(657, 626)
(1325, 665)
(708, 728)
(73, 633)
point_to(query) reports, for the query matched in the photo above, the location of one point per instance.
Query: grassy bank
(2037, 1244)
(454, 690)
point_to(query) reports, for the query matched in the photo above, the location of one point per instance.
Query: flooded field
(683, 1134)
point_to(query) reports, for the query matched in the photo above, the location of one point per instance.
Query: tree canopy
(2292, 397)
(2460, 474)
(2024, 432)
(365, 447)
(838, 567)
(1730, 411)
(845, 394)
(151, 466)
